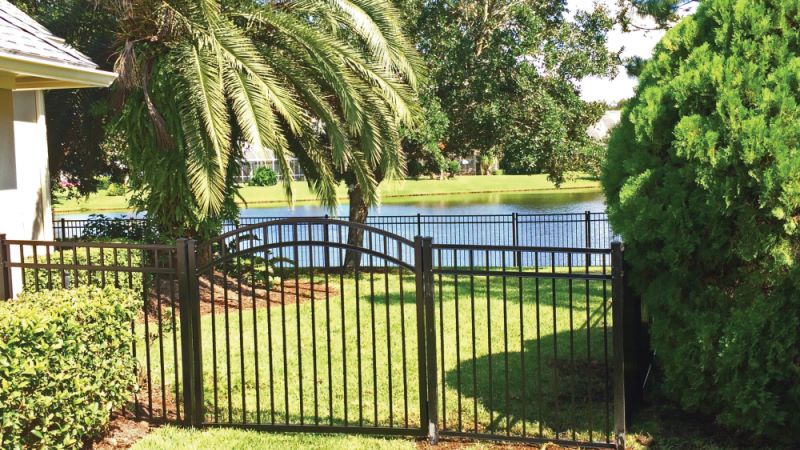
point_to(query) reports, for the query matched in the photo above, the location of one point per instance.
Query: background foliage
(703, 182)
(506, 72)
(65, 364)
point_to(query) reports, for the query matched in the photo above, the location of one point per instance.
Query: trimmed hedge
(65, 364)
(703, 182)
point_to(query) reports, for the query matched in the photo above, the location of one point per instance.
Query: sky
(637, 43)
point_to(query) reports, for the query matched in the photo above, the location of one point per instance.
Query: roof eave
(34, 74)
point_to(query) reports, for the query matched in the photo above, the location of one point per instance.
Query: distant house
(253, 158)
(32, 60)
(602, 128)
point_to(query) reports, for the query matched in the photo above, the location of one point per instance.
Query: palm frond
(203, 75)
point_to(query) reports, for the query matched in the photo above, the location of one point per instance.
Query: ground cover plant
(702, 182)
(65, 364)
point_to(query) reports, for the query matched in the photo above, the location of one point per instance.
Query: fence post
(189, 319)
(419, 224)
(426, 336)
(419, 275)
(636, 346)
(430, 341)
(515, 236)
(5, 272)
(618, 328)
(587, 220)
(514, 224)
(63, 229)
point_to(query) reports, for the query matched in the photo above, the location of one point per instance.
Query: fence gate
(308, 324)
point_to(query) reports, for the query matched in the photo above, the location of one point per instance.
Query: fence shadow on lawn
(558, 397)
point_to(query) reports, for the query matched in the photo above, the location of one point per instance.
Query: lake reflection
(492, 203)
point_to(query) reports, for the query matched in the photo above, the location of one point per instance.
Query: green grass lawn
(168, 438)
(391, 191)
(367, 381)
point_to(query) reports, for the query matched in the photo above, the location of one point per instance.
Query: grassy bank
(393, 191)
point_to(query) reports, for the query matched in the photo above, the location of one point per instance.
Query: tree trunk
(355, 237)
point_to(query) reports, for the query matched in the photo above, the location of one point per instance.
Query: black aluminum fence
(292, 325)
(150, 270)
(531, 356)
(574, 230)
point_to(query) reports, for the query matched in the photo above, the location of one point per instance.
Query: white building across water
(253, 158)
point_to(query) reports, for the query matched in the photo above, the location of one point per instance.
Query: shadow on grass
(547, 388)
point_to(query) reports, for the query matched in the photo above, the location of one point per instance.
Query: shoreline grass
(391, 192)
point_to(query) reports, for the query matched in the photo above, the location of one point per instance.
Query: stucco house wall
(25, 210)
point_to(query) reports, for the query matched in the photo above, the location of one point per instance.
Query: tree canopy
(703, 182)
(327, 81)
(506, 75)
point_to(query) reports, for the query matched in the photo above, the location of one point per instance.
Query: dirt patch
(152, 404)
(122, 432)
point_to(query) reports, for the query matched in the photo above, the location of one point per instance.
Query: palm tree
(328, 81)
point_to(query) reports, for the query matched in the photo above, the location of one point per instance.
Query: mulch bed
(453, 444)
(293, 292)
(226, 289)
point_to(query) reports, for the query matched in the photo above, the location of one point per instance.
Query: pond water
(472, 204)
(544, 220)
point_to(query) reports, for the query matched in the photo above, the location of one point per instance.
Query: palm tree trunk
(355, 237)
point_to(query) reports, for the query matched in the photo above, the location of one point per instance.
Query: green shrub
(703, 182)
(264, 176)
(100, 227)
(115, 190)
(65, 364)
(453, 168)
(103, 181)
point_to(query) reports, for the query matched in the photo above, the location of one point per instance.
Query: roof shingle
(21, 35)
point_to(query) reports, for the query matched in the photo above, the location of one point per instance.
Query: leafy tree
(327, 81)
(506, 75)
(703, 182)
(665, 13)
(422, 143)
